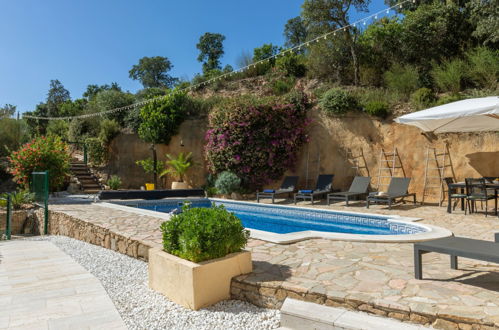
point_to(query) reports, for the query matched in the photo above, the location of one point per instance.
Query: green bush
(484, 67)
(95, 150)
(423, 98)
(337, 101)
(114, 182)
(449, 76)
(449, 99)
(199, 234)
(377, 108)
(402, 79)
(292, 65)
(58, 128)
(148, 165)
(18, 199)
(227, 183)
(109, 129)
(162, 117)
(281, 87)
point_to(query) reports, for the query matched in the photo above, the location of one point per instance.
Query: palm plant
(18, 199)
(178, 166)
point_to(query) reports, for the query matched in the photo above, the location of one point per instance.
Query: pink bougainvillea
(258, 141)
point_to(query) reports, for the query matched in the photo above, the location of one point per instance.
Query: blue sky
(97, 42)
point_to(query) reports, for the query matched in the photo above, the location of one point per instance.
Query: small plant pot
(179, 185)
(195, 285)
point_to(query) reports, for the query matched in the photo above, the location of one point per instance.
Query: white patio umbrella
(471, 115)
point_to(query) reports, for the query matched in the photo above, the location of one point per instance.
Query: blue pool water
(283, 220)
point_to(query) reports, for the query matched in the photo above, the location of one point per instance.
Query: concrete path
(43, 288)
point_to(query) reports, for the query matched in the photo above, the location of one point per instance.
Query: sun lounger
(359, 187)
(287, 187)
(323, 186)
(456, 247)
(397, 189)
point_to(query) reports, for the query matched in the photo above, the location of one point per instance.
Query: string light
(220, 77)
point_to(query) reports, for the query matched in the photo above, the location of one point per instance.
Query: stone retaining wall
(18, 222)
(64, 224)
(273, 296)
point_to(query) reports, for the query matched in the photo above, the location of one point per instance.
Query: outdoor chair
(359, 187)
(453, 194)
(287, 187)
(323, 186)
(398, 188)
(476, 190)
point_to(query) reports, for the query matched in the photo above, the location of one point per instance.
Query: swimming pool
(286, 224)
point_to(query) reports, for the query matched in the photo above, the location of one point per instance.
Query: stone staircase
(89, 184)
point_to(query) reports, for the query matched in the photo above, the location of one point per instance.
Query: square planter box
(195, 285)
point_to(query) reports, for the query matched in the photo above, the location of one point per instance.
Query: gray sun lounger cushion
(456, 247)
(398, 188)
(287, 187)
(323, 186)
(359, 187)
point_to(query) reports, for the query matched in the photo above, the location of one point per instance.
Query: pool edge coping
(432, 232)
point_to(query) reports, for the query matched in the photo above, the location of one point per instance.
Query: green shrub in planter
(227, 183)
(423, 98)
(114, 182)
(377, 108)
(199, 234)
(337, 101)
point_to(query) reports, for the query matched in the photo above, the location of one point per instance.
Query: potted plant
(202, 252)
(177, 167)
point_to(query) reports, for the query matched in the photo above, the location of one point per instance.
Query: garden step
(91, 191)
(297, 314)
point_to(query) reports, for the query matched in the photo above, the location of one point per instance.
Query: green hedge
(199, 234)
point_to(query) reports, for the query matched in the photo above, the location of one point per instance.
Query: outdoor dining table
(462, 187)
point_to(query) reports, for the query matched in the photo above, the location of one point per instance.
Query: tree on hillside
(153, 72)
(38, 127)
(56, 96)
(434, 32)
(7, 111)
(93, 89)
(321, 16)
(160, 120)
(211, 49)
(112, 99)
(484, 15)
(295, 32)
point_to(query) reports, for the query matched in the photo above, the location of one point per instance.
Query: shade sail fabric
(471, 115)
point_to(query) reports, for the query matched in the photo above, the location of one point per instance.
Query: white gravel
(125, 280)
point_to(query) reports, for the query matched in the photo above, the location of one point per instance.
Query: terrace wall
(471, 154)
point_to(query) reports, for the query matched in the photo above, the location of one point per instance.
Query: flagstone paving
(354, 274)
(41, 287)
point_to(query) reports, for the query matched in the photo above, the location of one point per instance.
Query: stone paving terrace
(374, 277)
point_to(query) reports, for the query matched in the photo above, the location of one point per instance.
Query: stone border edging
(273, 296)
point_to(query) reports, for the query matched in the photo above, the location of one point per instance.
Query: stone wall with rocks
(274, 294)
(64, 224)
(20, 222)
(331, 140)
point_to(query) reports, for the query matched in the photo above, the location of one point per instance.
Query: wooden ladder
(358, 161)
(436, 162)
(389, 164)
